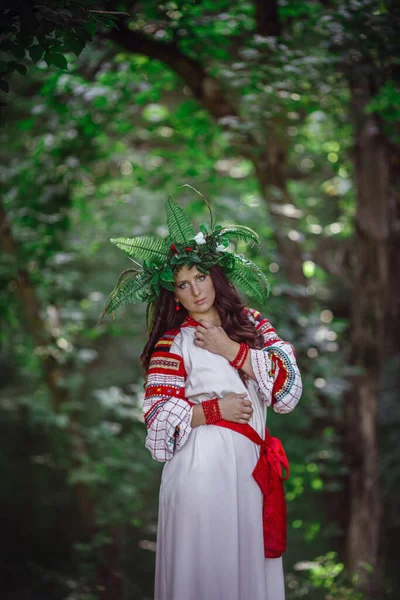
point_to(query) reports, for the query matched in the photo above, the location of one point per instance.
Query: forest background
(285, 115)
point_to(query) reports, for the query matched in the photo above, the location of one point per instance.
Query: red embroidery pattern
(275, 367)
(167, 413)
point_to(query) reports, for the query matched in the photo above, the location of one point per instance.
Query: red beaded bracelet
(241, 356)
(212, 411)
(240, 365)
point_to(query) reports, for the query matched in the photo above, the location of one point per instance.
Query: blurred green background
(285, 116)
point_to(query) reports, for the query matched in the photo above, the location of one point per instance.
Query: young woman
(210, 534)
(212, 366)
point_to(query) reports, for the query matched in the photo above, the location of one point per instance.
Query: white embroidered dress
(210, 535)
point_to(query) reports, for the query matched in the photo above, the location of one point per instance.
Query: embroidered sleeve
(277, 374)
(167, 413)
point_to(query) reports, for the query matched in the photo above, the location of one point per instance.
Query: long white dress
(210, 535)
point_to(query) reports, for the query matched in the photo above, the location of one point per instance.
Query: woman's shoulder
(254, 315)
(167, 340)
(166, 357)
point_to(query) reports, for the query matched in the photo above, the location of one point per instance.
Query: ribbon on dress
(268, 475)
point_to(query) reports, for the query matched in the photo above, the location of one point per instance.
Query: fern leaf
(151, 249)
(179, 225)
(129, 289)
(263, 282)
(239, 232)
(249, 277)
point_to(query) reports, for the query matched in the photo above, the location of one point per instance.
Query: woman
(213, 366)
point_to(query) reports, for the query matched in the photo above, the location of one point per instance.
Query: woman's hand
(235, 408)
(214, 339)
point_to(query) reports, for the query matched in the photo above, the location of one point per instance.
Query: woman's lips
(200, 301)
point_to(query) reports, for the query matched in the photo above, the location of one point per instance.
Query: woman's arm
(167, 412)
(198, 417)
(275, 367)
(231, 353)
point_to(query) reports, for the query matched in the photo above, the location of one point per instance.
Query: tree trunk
(368, 305)
(271, 169)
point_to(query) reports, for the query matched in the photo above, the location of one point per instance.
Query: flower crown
(163, 257)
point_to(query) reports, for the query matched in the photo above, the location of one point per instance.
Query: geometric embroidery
(278, 375)
(167, 412)
(172, 364)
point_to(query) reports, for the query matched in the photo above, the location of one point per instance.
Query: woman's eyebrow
(185, 280)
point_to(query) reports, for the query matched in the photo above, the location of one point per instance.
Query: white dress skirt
(210, 535)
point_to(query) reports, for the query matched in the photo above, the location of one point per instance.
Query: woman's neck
(210, 315)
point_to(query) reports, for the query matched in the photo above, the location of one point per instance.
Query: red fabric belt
(268, 475)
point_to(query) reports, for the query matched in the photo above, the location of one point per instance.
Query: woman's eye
(182, 286)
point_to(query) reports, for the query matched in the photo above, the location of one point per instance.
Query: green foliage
(246, 275)
(239, 232)
(47, 30)
(91, 153)
(150, 249)
(325, 578)
(179, 225)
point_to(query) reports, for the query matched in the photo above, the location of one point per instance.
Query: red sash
(268, 475)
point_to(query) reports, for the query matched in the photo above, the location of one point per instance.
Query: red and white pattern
(275, 367)
(167, 410)
(167, 413)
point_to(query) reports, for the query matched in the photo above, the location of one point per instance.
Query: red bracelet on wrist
(241, 356)
(212, 411)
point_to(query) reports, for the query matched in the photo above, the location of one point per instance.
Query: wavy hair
(228, 305)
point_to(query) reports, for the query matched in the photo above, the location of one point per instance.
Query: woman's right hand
(235, 408)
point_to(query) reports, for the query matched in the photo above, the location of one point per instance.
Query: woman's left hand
(214, 339)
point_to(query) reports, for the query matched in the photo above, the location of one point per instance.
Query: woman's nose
(195, 290)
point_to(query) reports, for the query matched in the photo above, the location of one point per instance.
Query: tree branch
(205, 88)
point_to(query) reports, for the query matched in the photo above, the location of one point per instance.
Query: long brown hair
(228, 305)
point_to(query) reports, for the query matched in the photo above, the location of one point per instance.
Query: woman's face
(194, 290)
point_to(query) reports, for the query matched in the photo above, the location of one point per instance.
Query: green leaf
(168, 285)
(204, 228)
(36, 52)
(203, 269)
(83, 34)
(145, 247)
(73, 43)
(130, 287)
(249, 277)
(127, 291)
(91, 27)
(239, 232)
(179, 225)
(58, 60)
(22, 70)
(167, 274)
(17, 51)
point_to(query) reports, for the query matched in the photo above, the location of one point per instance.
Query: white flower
(200, 239)
(221, 248)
